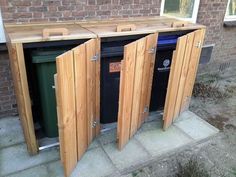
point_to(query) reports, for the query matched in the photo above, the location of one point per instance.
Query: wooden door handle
(127, 27)
(178, 24)
(47, 32)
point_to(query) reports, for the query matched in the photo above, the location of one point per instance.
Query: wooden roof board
(32, 32)
(143, 26)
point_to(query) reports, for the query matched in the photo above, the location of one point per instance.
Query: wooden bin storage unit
(78, 77)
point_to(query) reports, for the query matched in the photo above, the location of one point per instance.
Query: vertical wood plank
(121, 99)
(170, 81)
(97, 88)
(148, 71)
(129, 60)
(17, 63)
(81, 98)
(192, 69)
(137, 88)
(59, 118)
(91, 86)
(67, 112)
(183, 75)
(173, 84)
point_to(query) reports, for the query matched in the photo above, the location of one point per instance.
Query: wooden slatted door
(77, 90)
(135, 86)
(182, 75)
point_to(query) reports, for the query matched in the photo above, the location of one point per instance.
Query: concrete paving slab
(55, 169)
(10, 131)
(16, 158)
(184, 116)
(158, 141)
(108, 136)
(37, 171)
(94, 163)
(148, 126)
(195, 127)
(94, 144)
(132, 154)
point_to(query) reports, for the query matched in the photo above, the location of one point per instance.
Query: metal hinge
(94, 124)
(152, 50)
(146, 109)
(198, 45)
(95, 57)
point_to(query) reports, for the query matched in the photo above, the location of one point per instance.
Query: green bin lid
(45, 56)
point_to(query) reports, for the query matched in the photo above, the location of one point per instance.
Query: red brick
(20, 3)
(103, 2)
(38, 9)
(26, 15)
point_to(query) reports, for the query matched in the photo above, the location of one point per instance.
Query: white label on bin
(166, 62)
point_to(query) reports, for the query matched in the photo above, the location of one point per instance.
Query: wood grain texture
(121, 99)
(91, 88)
(125, 27)
(137, 88)
(47, 32)
(17, 63)
(192, 71)
(67, 111)
(134, 86)
(149, 62)
(183, 75)
(170, 81)
(173, 83)
(32, 32)
(80, 63)
(97, 87)
(129, 70)
(60, 131)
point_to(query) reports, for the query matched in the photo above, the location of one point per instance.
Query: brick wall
(7, 96)
(57, 10)
(211, 13)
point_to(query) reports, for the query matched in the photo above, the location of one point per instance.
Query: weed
(234, 171)
(192, 169)
(207, 91)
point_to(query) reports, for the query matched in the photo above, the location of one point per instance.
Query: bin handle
(178, 24)
(126, 27)
(47, 32)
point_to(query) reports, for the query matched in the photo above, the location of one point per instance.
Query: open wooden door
(77, 90)
(135, 86)
(182, 75)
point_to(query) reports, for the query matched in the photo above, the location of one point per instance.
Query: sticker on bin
(114, 67)
(165, 63)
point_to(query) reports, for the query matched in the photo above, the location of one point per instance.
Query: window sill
(230, 23)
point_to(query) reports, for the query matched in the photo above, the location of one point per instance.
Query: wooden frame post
(17, 63)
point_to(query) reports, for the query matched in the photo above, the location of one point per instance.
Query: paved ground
(102, 158)
(214, 101)
(151, 153)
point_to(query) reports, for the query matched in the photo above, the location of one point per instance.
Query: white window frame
(194, 15)
(229, 17)
(2, 33)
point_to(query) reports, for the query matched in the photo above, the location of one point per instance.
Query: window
(2, 35)
(230, 14)
(180, 9)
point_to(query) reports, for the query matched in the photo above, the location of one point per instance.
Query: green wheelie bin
(45, 64)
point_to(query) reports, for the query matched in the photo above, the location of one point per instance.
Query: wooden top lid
(38, 32)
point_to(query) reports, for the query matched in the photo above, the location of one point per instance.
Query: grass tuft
(192, 169)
